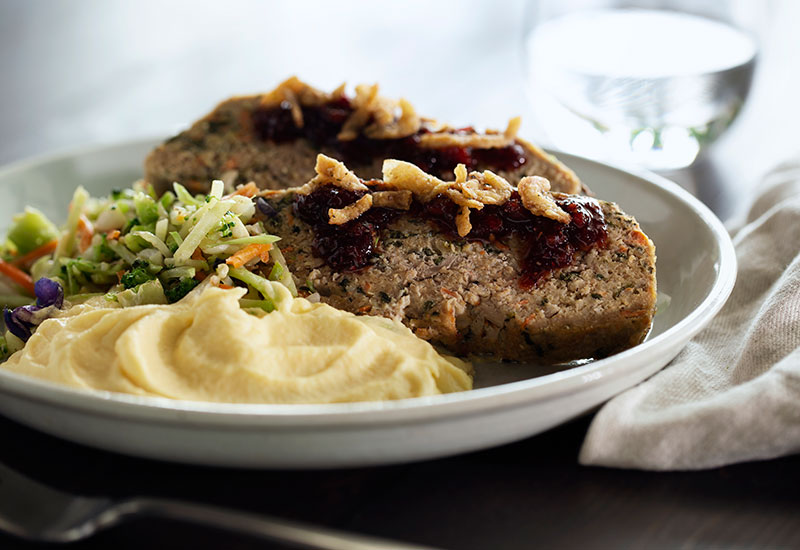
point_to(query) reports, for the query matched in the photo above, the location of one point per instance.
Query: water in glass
(642, 85)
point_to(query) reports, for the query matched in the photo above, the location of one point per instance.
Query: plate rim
(431, 408)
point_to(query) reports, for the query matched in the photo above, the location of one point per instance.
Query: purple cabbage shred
(22, 321)
(15, 325)
(48, 293)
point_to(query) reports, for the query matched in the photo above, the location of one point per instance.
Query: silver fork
(36, 512)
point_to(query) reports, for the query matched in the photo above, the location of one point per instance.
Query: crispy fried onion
(298, 94)
(535, 194)
(398, 174)
(339, 216)
(379, 117)
(448, 137)
(403, 181)
(469, 190)
(332, 172)
(399, 200)
(375, 116)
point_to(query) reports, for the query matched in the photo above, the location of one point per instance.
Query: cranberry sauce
(346, 247)
(548, 244)
(552, 245)
(322, 124)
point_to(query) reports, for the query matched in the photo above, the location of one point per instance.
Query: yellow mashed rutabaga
(206, 348)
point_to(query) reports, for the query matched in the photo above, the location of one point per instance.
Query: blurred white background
(97, 71)
(86, 72)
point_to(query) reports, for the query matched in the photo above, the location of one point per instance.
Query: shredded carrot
(85, 233)
(120, 273)
(364, 309)
(224, 286)
(113, 234)
(248, 253)
(35, 254)
(17, 275)
(527, 320)
(249, 190)
(197, 254)
(449, 292)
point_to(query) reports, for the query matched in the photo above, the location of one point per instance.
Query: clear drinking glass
(650, 82)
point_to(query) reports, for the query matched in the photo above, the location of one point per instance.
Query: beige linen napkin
(733, 394)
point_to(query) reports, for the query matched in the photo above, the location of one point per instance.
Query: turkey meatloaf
(272, 139)
(475, 265)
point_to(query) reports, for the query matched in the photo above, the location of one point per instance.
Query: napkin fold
(733, 394)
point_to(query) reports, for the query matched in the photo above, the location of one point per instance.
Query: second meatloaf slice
(272, 139)
(476, 265)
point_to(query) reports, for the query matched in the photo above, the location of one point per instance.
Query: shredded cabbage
(255, 239)
(286, 275)
(206, 223)
(139, 248)
(66, 243)
(184, 196)
(157, 243)
(217, 188)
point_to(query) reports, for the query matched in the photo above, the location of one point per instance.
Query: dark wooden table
(96, 72)
(530, 494)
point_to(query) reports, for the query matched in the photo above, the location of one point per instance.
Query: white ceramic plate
(696, 268)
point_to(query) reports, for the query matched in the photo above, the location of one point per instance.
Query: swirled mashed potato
(206, 348)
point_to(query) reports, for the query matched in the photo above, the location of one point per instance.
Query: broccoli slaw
(134, 247)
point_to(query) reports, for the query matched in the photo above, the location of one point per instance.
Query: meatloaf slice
(273, 139)
(511, 283)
